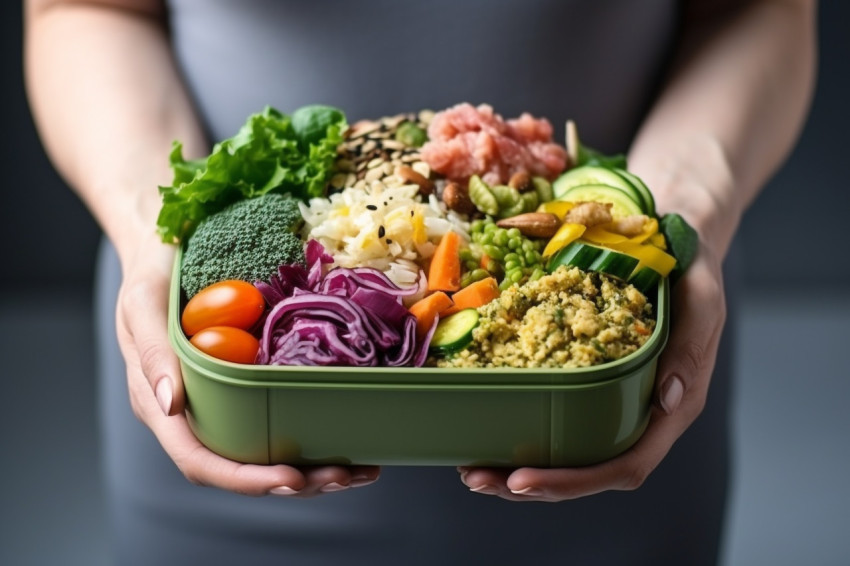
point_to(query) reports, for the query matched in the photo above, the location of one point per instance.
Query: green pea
(493, 266)
(515, 243)
(516, 275)
(494, 252)
(530, 258)
(490, 227)
(536, 274)
(501, 237)
(514, 233)
(512, 265)
(465, 254)
(511, 256)
(527, 245)
(465, 280)
(470, 264)
(479, 274)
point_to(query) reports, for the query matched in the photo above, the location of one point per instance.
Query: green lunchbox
(418, 416)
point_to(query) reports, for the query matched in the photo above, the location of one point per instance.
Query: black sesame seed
(389, 241)
(381, 232)
(371, 207)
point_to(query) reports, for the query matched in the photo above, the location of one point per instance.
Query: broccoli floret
(248, 240)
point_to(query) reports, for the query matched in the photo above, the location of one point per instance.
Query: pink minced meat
(465, 141)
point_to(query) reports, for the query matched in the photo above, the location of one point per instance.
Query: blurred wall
(790, 236)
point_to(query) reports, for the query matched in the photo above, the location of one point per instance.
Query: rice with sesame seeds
(391, 229)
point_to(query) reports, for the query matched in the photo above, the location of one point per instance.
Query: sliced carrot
(444, 273)
(426, 310)
(485, 261)
(474, 295)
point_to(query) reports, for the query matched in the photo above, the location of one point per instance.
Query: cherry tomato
(227, 343)
(226, 303)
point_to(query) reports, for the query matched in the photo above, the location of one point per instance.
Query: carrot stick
(444, 272)
(426, 310)
(474, 295)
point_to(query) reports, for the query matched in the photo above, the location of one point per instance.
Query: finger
(203, 467)
(143, 321)
(699, 313)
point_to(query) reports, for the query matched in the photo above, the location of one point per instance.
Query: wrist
(693, 179)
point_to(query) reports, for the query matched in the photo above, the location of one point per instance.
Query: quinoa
(566, 319)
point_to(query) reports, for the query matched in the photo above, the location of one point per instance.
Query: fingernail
(283, 490)
(485, 488)
(361, 482)
(164, 395)
(331, 487)
(671, 394)
(529, 491)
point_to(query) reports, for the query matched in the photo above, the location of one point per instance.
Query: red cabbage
(337, 317)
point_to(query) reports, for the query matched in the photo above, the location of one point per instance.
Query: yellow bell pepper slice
(650, 228)
(648, 256)
(600, 235)
(566, 234)
(658, 241)
(559, 208)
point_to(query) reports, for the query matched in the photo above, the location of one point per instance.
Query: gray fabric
(596, 62)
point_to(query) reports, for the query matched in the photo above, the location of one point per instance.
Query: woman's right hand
(158, 398)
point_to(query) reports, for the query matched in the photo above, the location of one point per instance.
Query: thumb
(143, 330)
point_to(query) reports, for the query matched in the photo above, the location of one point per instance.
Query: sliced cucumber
(645, 280)
(577, 254)
(614, 263)
(645, 193)
(623, 204)
(454, 333)
(590, 175)
(589, 257)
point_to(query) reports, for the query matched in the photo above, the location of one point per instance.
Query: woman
(708, 98)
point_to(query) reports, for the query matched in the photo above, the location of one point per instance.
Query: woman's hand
(683, 377)
(158, 398)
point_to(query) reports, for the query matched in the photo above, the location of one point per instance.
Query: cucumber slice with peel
(454, 333)
(589, 257)
(623, 204)
(645, 193)
(590, 175)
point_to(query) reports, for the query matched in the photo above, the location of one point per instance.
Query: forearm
(729, 114)
(108, 102)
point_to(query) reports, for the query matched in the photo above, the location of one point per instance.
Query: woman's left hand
(683, 376)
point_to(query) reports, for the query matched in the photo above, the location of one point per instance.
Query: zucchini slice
(645, 280)
(589, 257)
(577, 254)
(615, 264)
(591, 175)
(624, 205)
(454, 333)
(642, 189)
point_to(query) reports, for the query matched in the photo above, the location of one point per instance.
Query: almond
(532, 224)
(409, 176)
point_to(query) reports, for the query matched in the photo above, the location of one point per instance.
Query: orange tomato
(226, 303)
(227, 343)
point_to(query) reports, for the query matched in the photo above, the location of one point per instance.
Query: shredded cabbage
(345, 317)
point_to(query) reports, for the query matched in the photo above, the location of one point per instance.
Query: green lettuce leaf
(271, 152)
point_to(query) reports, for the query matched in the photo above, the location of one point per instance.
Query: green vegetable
(410, 134)
(593, 175)
(645, 280)
(271, 152)
(589, 156)
(623, 203)
(588, 257)
(454, 333)
(248, 240)
(682, 240)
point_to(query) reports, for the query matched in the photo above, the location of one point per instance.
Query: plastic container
(418, 416)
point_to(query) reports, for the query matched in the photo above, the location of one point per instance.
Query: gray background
(791, 501)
